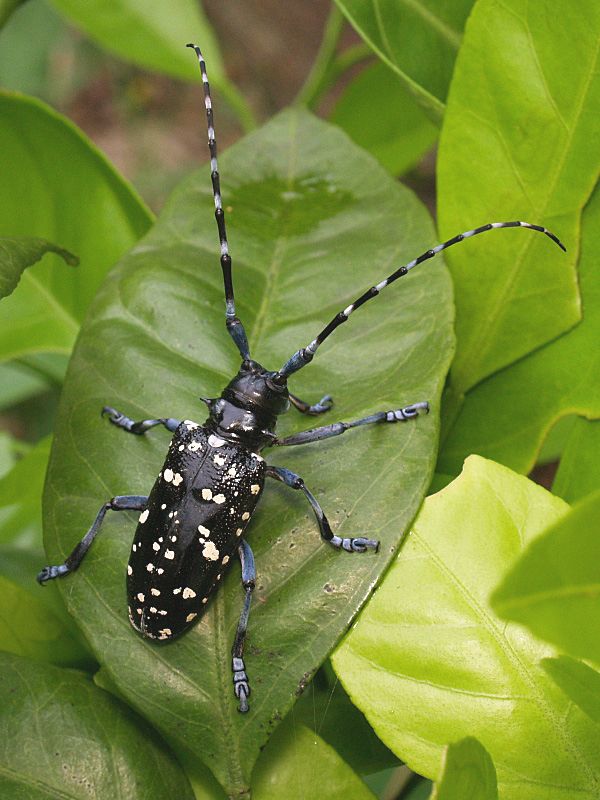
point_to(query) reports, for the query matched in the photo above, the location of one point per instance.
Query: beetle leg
(324, 404)
(121, 421)
(336, 428)
(241, 685)
(351, 545)
(121, 503)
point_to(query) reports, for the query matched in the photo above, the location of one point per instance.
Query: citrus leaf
(554, 588)
(152, 34)
(579, 469)
(578, 681)
(507, 416)
(468, 773)
(57, 186)
(313, 221)
(430, 662)
(62, 737)
(282, 769)
(379, 114)
(405, 34)
(16, 254)
(515, 146)
(21, 494)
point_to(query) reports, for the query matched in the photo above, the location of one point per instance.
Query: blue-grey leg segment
(324, 404)
(241, 685)
(139, 428)
(336, 428)
(351, 545)
(121, 503)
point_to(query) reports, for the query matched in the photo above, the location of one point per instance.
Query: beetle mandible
(193, 522)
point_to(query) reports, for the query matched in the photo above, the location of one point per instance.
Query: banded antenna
(234, 325)
(306, 354)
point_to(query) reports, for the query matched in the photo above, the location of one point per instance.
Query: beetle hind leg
(241, 684)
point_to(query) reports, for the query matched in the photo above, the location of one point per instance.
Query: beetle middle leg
(139, 428)
(336, 428)
(120, 503)
(351, 545)
(241, 685)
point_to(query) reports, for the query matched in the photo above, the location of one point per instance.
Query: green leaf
(554, 588)
(379, 114)
(283, 769)
(326, 709)
(429, 661)
(405, 36)
(18, 383)
(507, 416)
(29, 628)
(313, 221)
(16, 254)
(468, 773)
(578, 681)
(152, 35)
(57, 186)
(62, 737)
(21, 495)
(579, 469)
(515, 145)
(6, 9)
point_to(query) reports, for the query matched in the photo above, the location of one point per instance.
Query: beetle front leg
(241, 685)
(351, 545)
(139, 428)
(324, 404)
(119, 503)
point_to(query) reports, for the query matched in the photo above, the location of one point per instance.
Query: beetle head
(254, 388)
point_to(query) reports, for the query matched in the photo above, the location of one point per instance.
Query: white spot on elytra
(225, 560)
(164, 505)
(191, 426)
(187, 593)
(141, 597)
(257, 457)
(168, 476)
(160, 570)
(214, 441)
(218, 499)
(144, 516)
(173, 538)
(176, 591)
(190, 617)
(219, 460)
(155, 546)
(134, 548)
(170, 554)
(152, 610)
(155, 592)
(205, 599)
(129, 570)
(210, 552)
(246, 515)
(204, 531)
(177, 479)
(181, 447)
(255, 488)
(150, 567)
(231, 471)
(239, 532)
(165, 633)
(163, 612)
(193, 446)
(206, 494)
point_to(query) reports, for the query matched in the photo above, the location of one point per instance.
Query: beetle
(193, 523)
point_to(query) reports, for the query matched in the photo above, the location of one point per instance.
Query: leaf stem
(314, 85)
(238, 105)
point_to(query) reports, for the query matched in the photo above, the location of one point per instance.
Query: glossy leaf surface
(67, 193)
(379, 114)
(507, 416)
(313, 221)
(554, 588)
(405, 34)
(515, 146)
(62, 737)
(430, 662)
(468, 773)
